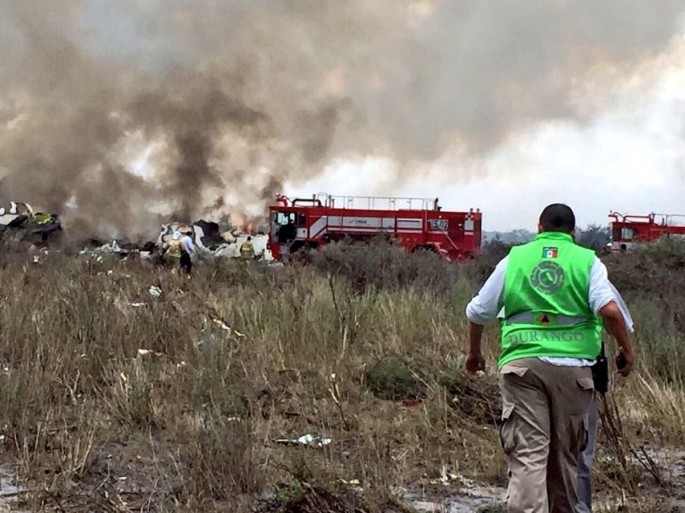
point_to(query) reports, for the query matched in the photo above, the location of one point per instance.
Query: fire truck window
(627, 233)
(281, 218)
(302, 220)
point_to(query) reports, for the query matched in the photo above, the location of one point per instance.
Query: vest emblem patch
(550, 252)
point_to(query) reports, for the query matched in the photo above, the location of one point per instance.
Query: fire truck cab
(628, 230)
(416, 223)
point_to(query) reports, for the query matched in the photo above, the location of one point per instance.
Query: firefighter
(174, 246)
(555, 297)
(247, 249)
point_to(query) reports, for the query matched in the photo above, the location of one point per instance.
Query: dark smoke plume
(119, 115)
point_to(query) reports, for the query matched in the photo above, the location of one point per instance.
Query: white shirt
(188, 243)
(489, 303)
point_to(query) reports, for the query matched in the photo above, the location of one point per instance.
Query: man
(286, 234)
(247, 249)
(556, 296)
(187, 249)
(587, 455)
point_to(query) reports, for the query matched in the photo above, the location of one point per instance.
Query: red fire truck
(416, 223)
(627, 230)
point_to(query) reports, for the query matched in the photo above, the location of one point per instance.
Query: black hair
(558, 218)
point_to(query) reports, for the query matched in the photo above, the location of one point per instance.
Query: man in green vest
(555, 297)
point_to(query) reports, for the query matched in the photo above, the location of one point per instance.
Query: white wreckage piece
(15, 210)
(222, 244)
(28, 225)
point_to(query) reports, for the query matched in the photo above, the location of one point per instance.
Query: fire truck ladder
(669, 219)
(378, 202)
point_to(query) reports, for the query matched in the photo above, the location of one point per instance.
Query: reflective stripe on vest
(533, 318)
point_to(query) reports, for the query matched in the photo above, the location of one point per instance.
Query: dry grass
(242, 355)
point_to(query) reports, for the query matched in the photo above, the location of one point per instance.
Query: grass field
(115, 397)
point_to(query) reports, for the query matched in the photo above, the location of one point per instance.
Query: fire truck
(627, 230)
(416, 223)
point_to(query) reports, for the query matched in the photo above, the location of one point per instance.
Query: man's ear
(540, 229)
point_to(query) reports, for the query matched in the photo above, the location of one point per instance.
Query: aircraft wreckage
(207, 238)
(19, 222)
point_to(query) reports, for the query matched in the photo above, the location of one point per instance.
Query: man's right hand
(475, 362)
(625, 360)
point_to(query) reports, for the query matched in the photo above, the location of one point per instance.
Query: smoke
(119, 115)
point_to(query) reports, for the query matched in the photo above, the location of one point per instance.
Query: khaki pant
(544, 428)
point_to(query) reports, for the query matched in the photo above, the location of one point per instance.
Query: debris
(138, 305)
(209, 241)
(155, 291)
(447, 477)
(145, 352)
(226, 327)
(27, 225)
(221, 324)
(306, 440)
(351, 482)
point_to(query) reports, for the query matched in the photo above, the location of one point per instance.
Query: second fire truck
(416, 223)
(627, 230)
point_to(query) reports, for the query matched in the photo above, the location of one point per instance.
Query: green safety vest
(546, 306)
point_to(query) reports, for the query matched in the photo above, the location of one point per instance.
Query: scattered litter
(307, 440)
(351, 482)
(181, 364)
(138, 305)
(208, 336)
(221, 324)
(145, 352)
(447, 477)
(155, 291)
